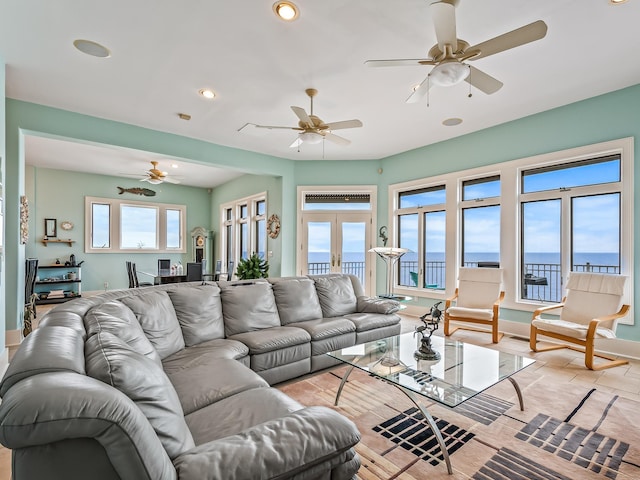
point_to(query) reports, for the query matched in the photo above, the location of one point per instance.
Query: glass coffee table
(463, 371)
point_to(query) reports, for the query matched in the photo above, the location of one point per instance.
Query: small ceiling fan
(450, 53)
(156, 176)
(311, 128)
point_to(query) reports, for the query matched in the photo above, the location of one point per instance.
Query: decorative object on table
(273, 226)
(252, 267)
(50, 228)
(24, 219)
(388, 363)
(390, 255)
(147, 192)
(66, 225)
(430, 324)
(382, 233)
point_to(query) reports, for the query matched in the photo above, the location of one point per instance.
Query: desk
(164, 279)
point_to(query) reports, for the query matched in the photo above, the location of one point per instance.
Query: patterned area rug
(566, 431)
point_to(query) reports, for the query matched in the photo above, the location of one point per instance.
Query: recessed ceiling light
(92, 48)
(207, 93)
(287, 11)
(617, 2)
(452, 122)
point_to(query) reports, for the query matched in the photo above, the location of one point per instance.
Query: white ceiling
(164, 51)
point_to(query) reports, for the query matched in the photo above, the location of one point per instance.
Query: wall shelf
(57, 240)
(56, 278)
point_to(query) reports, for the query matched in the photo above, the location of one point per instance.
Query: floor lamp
(390, 255)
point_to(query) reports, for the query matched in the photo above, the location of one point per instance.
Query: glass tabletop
(463, 371)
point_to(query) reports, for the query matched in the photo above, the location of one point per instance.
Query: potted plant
(252, 267)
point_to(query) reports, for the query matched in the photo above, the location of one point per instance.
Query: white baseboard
(615, 346)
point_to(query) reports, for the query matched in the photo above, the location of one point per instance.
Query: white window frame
(114, 226)
(510, 217)
(236, 222)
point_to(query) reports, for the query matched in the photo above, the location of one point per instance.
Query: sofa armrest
(377, 305)
(48, 408)
(277, 449)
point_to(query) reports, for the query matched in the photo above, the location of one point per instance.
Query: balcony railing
(352, 268)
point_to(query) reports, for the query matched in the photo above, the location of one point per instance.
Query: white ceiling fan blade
(302, 115)
(482, 81)
(344, 124)
(520, 36)
(296, 143)
(444, 21)
(275, 127)
(419, 92)
(171, 180)
(337, 139)
(402, 62)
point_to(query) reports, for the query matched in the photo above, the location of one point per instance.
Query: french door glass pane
(138, 227)
(100, 225)
(319, 247)
(261, 238)
(408, 263)
(596, 233)
(434, 250)
(354, 249)
(244, 240)
(541, 246)
(480, 235)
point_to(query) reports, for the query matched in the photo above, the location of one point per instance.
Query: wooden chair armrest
(499, 300)
(548, 308)
(448, 301)
(607, 318)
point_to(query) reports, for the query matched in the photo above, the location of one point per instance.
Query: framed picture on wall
(50, 227)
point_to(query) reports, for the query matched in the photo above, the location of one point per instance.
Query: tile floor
(566, 365)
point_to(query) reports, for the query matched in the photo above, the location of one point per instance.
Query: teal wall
(60, 194)
(602, 118)
(245, 186)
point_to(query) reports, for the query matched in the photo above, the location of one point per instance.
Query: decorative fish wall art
(137, 191)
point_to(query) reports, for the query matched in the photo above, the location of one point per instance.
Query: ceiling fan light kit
(449, 73)
(311, 138)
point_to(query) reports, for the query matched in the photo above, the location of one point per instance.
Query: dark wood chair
(194, 272)
(133, 277)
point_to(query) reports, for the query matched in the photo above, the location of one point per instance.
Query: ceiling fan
(311, 128)
(156, 176)
(450, 53)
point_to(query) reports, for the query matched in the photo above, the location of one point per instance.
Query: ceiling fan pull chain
(469, 82)
(428, 88)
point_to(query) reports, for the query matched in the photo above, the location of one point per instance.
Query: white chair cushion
(475, 313)
(478, 287)
(570, 329)
(597, 283)
(592, 295)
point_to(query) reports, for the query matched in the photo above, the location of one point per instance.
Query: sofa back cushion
(296, 299)
(336, 295)
(156, 315)
(116, 318)
(112, 361)
(247, 307)
(199, 312)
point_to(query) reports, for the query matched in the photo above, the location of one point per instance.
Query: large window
(538, 218)
(114, 226)
(244, 227)
(571, 221)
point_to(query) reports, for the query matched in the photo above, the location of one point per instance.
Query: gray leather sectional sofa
(173, 382)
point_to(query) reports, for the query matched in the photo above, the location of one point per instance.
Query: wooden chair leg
(589, 355)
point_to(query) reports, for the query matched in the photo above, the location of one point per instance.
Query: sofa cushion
(115, 363)
(377, 305)
(211, 380)
(272, 339)
(241, 412)
(248, 307)
(296, 299)
(156, 315)
(199, 312)
(336, 295)
(115, 317)
(370, 321)
(204, 352)
(326, 327)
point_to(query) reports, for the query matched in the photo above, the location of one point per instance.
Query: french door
(337, 243)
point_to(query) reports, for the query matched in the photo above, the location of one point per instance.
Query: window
(245, 228)
(481, 221)
(571, 222)
(115, 226)
(421, 229)
(539, 218)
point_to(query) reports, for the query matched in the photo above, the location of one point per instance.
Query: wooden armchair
(477, 300)
(589, 311)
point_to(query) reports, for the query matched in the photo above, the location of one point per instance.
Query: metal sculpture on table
(430, 324)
